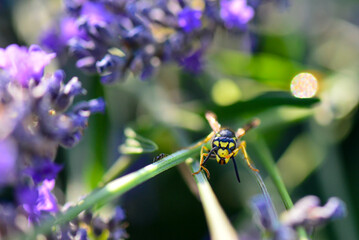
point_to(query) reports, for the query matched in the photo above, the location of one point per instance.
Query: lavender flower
(57, 37)
(113, 228)
(22, 64)
(306, 213)
(193, 63)
(236, 13)
(117, 37)
(189, 19)
(35, 119)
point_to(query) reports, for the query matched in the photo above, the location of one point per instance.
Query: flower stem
(269, 164)
(114, 189)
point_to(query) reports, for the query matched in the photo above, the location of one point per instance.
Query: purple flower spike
(22, 64)
(236, 13)
(189, 19)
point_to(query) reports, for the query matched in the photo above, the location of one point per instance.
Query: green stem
(114, 189)
(269, 164)
(121, 164)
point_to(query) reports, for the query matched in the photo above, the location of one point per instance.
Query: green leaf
(136, 144)
(112, 190)
(262, 102)
(121, 164)
(266, 68)
(218, 223)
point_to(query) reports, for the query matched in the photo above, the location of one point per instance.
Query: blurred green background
(315, 144)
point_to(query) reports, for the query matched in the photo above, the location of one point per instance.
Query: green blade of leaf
(121, 164)
(219, 225)
(113, 189)
(136, 144)
(262, 102)
(266, 68)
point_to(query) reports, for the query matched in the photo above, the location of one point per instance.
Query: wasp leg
(242, 147)
(209, 137)
(203, 161)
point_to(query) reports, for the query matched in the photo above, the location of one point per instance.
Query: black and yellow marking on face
(224, 146)
(222, 152)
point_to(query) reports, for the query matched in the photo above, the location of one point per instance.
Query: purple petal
(46, 201)
(22, 64)
(189, 19)
(43, 169)
(193, 62)
(236, 13)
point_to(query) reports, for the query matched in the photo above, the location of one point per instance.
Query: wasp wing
(212, 120)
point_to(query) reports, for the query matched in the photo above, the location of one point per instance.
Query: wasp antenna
(236, 170)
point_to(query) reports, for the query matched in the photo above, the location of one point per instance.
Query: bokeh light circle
(304, 85)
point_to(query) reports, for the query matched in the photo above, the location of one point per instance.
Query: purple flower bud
(235, 13)
(108, 64)
(94, 106)
(54, 83)
(71, 140)
(189, 19)
(110, 68)
(119, 214)
(262, 213)
(74, 87)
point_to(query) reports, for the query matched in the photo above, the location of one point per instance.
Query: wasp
(225, 144)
